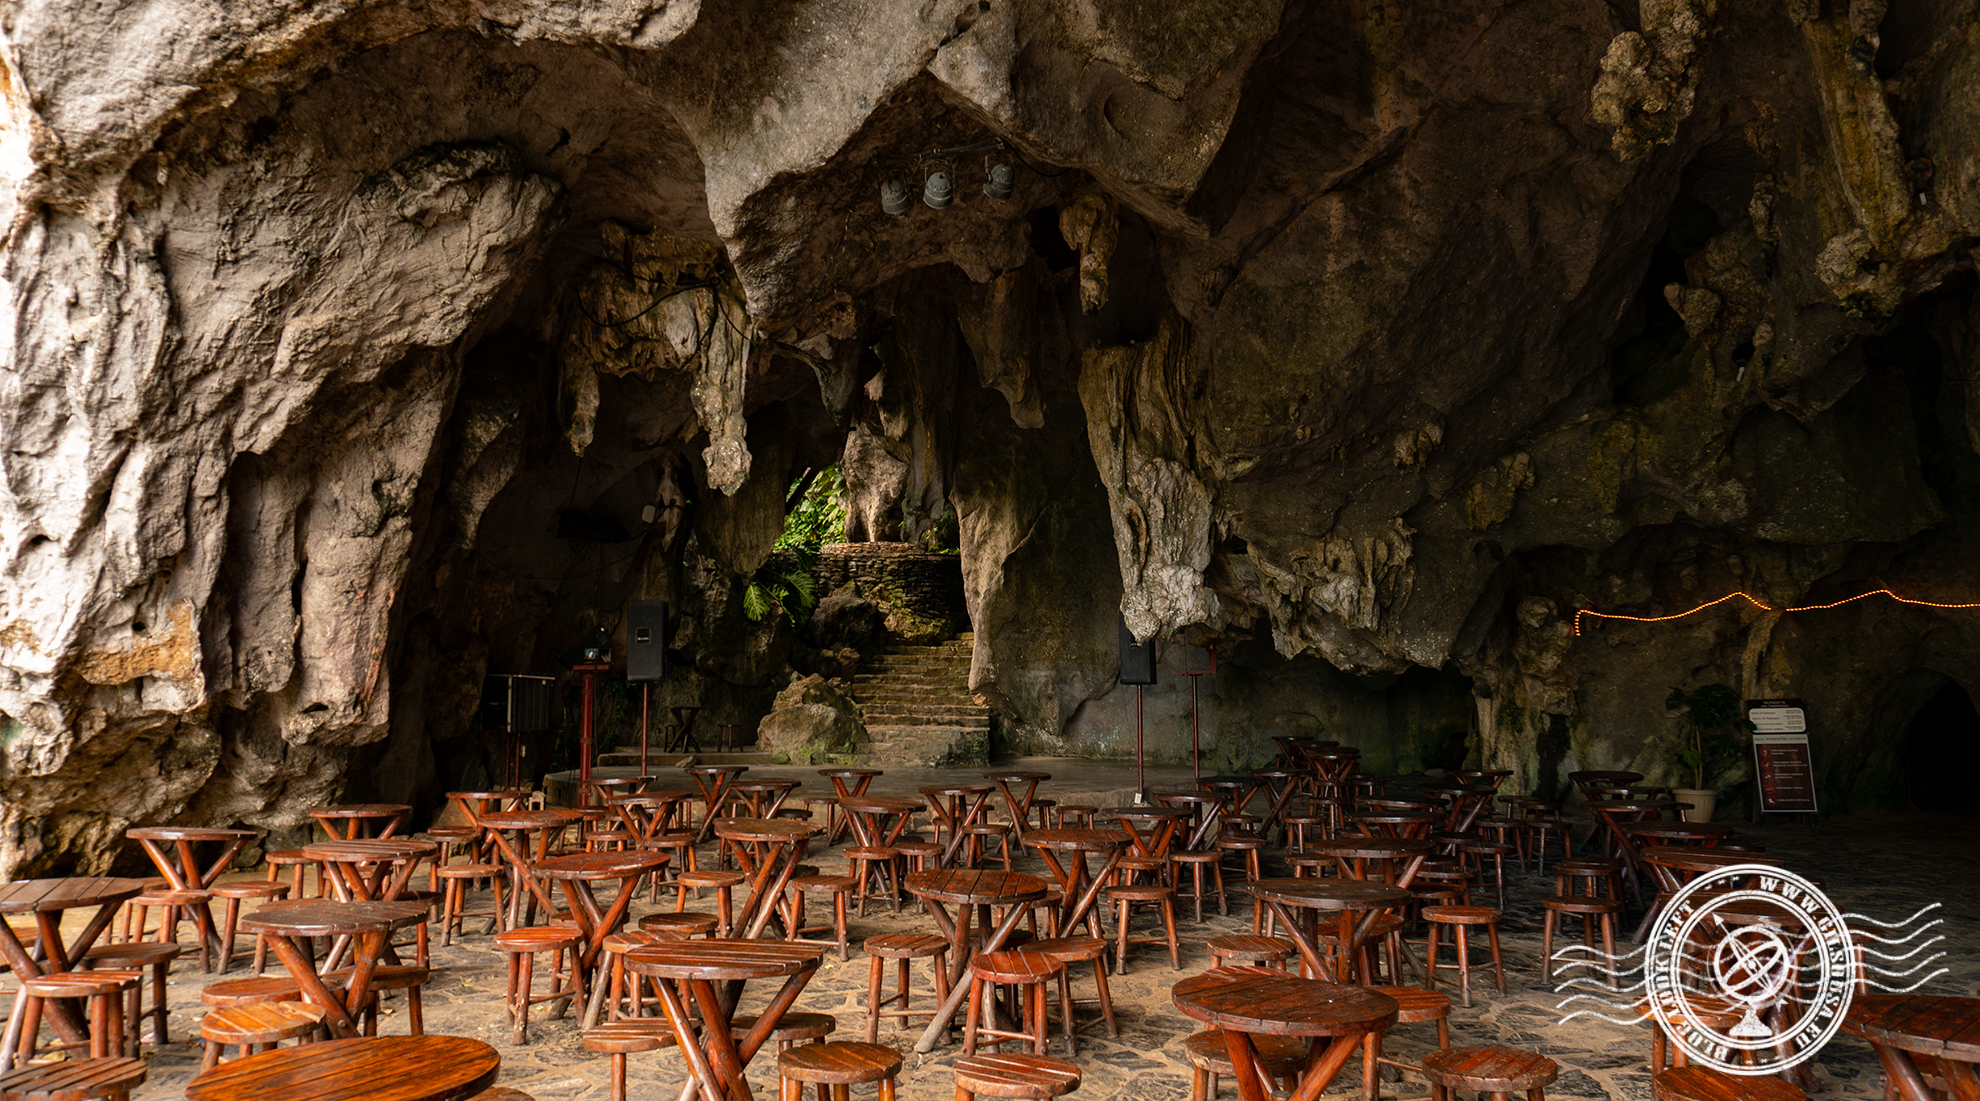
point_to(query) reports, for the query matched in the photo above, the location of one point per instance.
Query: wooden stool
(1475, 851)
(1025, 971)
(679, 847)
(230, 918)
(1705, 1084)
(1302, 826)
(1460, 918)
(1494, 1071)
(1251, 847)
(136, 957)
(792, 1028)
(1592, 910)
(522, 945)
(1541, 821)
(867, 860)
(298, 865)
(924, 854)
(975, 837)
(256, 991)
(612, 969)
(838, 887)
(174, 907)
(1195, 862)
(1033, 1077)
(457, 880)
(679, 926)
(1069, 951)
(1720, 1014)
(620, 1038)
(724, 883)
(1588, 876)
(73, 1080)
(112, 1010)
(1282, 1057)
(1258, 951)
(407, 977)
(903, 947)
(1124, 899)
(250, 1027)
(1074, 816)
(1413, 1006)
(838, 1065)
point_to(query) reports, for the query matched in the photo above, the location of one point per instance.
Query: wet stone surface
(1885, 867)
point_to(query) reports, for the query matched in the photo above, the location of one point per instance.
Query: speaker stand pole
(645, 708)
(1140, 784)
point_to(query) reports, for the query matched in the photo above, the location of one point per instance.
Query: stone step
(896, 718)
(913, 680)
(892, 694)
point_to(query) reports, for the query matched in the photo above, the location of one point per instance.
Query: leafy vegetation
(815, 514)
(1712, 714)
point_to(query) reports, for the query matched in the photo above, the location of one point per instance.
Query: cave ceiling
(353, 351)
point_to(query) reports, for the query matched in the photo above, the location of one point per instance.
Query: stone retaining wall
(922, 593)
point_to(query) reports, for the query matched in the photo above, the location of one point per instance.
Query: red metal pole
(1195, 746)
(584, 744)
(645, 707)
(1140, 784)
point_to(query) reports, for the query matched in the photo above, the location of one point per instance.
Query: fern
(755, 602)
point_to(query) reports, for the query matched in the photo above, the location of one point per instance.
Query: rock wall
(350, 352)
(920, 594)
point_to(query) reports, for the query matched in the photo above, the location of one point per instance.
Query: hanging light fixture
(940, 190)
(894, 197)
(997, 183)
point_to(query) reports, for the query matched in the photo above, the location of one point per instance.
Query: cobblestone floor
(1885, 867)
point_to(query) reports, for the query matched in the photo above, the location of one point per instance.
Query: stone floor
(1885, 867)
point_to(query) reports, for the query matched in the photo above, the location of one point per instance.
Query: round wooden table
(374, 1068)
(1908, 1029)
(973, 893)
(1079, 885)
(1020, 805)
(367, 926)
(1150, 829)
(350, 821)
(46, 899)
(847, 783)
(1258, 1001)
(956, 807)
(175, 852)
(510, 830)
(370, 869)
(690, 969)
(1297, 904)
(1353, 855)
(1404, 824)
(713, 782)
(768, 850)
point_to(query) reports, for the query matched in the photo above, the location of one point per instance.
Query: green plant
(790, 587)
(1710, 714)
(814, 511)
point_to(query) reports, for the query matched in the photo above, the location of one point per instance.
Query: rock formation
(346, 350)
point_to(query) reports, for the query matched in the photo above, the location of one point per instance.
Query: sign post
(1783, 769)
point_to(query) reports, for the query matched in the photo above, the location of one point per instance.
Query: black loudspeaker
(1137, 658)
(646, 640)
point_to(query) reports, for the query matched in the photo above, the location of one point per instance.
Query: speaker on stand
(1138, 669)
(646, 660)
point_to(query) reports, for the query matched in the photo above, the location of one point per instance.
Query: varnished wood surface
(1926, 1024)
(1696, 1083)
(602, 865)
(839, 1063)
(318, 918)
(547, 818)
(187, 833)
(376, 1068)
(764, 829)
(1327, 894)
(361, 810)
(1689, 859)
(73, 1080)
(1015, 967)
(970, 887)
(1075, 840)
(724, 959)
(1489, 1069)
(1369, 848)
(1014, 1075)
(1260, 1000)
(369, 849)
(31, 896)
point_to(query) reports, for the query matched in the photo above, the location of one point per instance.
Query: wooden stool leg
(975, 1013)
(1547, 947)
(1430, 950)
(876, 970)
(1169, 923)
(1464, 961)
(1498, 964)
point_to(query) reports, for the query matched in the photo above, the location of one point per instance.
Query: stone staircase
(917, 708)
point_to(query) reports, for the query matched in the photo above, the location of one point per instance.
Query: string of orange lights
(1762, 605)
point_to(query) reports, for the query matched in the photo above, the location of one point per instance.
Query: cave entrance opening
(1942, 752)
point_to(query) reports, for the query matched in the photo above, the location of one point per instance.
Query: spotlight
(940, 192)
(894, 197)
(997, 184)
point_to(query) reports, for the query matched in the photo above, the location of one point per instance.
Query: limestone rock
(811, 718)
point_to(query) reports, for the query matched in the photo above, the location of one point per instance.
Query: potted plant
(1710, 714)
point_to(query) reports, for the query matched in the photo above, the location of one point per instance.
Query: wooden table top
(1397, 817)
(42, 896)
(1929, 1024)
(319, 918)
(854, 772)
(764, 829)
(880, 804)
(547, 818)
(958, 789)
(764, 783)
(1144, 814)
(505, 793)
(715, 769)
(1371, 848)
(1015, 777)
(605, 865)
(970, 887)
(1689, 859)
(1327, 894)
(361, 810)
(648, 798)
(1261, 1000)
(1091, 841)
(373, 1068)
(369, 849)
(724, 959)
(187, 833)
(1678, 831)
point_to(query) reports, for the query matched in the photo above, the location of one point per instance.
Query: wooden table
(975, 893)
(290, 927)
(183, 867)
(1907, 1030)
(768, 850)
(681, 738)
(956, 807)
(763, 795)
(1206, 816)
(370, 869)
(1249, 1001)
(577, 873)
(515, 851)
(848, 783)
(713, 782)
(1079, 886)
(690, 969)
(877, 823)
(1020, 805)
(1406, 824)
(1297, 904)
(376, 1068)
(648, 814)
(474, 804)
(1353, 857)
(47, 899)
(1149, 829)
(351, 821)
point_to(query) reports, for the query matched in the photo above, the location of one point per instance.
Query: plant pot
(1703, 802)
